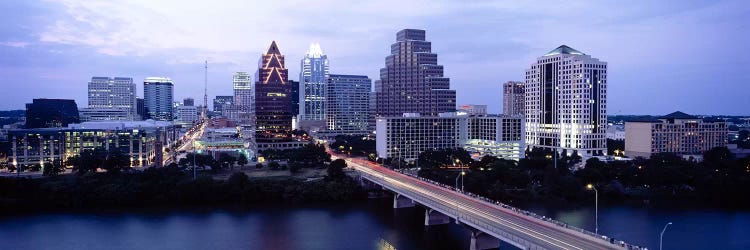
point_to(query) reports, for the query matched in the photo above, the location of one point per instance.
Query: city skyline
(658, 50)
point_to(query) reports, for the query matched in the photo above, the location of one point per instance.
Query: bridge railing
(525, 212)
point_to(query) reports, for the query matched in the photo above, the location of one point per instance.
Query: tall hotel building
(513, 98)
(566, 103)
(412, 81)
(158, 97)
(347, 105)
(111, 99)
(677, 133)
(312, 87)
(273, 104)
(244, 99)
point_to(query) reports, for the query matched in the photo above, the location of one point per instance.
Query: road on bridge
(539, 232)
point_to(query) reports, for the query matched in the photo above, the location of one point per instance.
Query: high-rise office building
(158, 97)
(513, 98)
(141, 108)
(412, 81)
(221, 101)
(312, 86)
(347, 105)
(111, 94)
(51, 113)
(273, 106)
(188, 102)
(243, 89)
(566, 103)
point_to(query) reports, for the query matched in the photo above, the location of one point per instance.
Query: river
(359, 225)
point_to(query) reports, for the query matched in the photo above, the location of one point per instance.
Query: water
(343, 226)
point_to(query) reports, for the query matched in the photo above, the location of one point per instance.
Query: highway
(485, 216)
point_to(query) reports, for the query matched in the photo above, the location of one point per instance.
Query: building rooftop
(678, 115)
(564, 49)
(119, 124)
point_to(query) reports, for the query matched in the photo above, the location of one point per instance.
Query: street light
(661, 236)
(462, 180)
(596, 206)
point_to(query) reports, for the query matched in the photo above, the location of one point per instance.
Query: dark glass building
(412, 81)
(295, 97)
(51, 113)
(273, 94)
(222, 101)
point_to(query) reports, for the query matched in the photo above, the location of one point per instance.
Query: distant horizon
(662, 56)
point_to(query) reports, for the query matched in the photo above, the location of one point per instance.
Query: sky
(662, 56)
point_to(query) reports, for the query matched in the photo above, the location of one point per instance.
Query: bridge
(488, 222)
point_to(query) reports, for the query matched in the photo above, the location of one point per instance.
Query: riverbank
(166, 187)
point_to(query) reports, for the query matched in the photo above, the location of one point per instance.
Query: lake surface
(361, 225)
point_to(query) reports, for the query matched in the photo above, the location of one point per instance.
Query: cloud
(15, 44)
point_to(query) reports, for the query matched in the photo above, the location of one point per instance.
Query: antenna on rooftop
(205, 91)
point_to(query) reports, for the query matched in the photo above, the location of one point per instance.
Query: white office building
(566, 103)
(104, 114)
(106, 94)
(186, 115)
(677, 133)
(408, 136)
(244, 100)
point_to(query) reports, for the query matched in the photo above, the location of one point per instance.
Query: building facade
(104, 114)
(347, 105)
(140, 140)
(677, 133)
(158, 97)
(312, 86)
(186, 115)
(188, 102)
(408, 136)
(51, 113)
(513, 98)
(566, 103)
(473, 110)
(412, 81)
(221, 101)
(273, 104)
(109, 93)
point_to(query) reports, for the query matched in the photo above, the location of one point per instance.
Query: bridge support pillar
(432, 217)
(401, 201)
(481, 240)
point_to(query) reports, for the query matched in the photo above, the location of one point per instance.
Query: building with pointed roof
(312, 86)
(565, 93)
(273, 93)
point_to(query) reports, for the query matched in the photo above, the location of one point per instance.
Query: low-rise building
(142, 140)
(105, 114)
(408, 136)
(473, 110)
(677, 133)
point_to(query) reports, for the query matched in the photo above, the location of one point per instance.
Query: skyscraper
(273, 106)
(347, 104)
(312, 77)
(566, 102)
(118, 93)
(412, 81)
(513, 98)
(243, 89)
(141, 108)
(158, 97)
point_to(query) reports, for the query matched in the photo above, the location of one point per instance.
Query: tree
(116, 161)
(336, 169)
(242, 160)
(87, 161)
(274, 165)
(53, 168)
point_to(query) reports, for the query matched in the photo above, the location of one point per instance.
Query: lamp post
(596, 207)
(661, 236)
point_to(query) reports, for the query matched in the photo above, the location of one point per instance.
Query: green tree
(242, 160)
(116, 161)
(53, 168)
(336, 169)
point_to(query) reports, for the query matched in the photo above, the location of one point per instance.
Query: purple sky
(663, 56)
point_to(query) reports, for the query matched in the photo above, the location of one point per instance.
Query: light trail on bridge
(487, 217)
